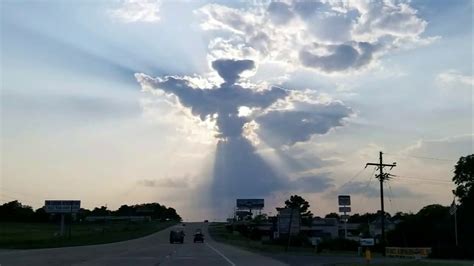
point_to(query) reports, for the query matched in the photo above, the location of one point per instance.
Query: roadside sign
(344, 209)
(344, 200)
(345, 217)
(366, 242)
(250, 203)
(62, 206)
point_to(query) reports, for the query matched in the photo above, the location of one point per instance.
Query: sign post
(453, 211)
(344, 207)
(62, 207)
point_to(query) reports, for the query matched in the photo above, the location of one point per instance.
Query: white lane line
(222, 255)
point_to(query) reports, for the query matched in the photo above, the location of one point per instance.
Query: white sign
(344, 200)
(344, 209)
(62, 206)
(366, 242)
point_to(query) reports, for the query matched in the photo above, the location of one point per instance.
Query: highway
(154, 249)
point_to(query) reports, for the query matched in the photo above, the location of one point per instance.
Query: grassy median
(43, 235)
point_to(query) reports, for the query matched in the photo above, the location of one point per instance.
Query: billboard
(286, 219)
(366, 242)
(344, 200)
(250, 203)
(62, 206)
(345, 209)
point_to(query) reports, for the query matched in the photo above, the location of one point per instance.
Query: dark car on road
(176, 236)
(198, 236)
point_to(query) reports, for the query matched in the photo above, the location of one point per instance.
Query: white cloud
(137, 11)
(327, 36)
(453, 79)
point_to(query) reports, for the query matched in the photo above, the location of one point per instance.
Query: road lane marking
(220, 253)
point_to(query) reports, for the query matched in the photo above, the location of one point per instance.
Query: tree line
(15, 211)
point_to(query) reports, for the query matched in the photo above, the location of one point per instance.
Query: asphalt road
(154, 249)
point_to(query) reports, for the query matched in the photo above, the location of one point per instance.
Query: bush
(452, 252)
(338, 244)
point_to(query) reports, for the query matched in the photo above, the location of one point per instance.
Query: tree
(299, 203)
(332, 215)
(464, 179)
(14, 211)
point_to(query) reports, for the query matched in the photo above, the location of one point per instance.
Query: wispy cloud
(131, 11)
(168, 182)
(453, 79)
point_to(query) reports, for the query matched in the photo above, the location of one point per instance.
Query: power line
(359, 202)
(382, 177)
(424, 179)
(351, 179)
(421, 157)
(390, 196)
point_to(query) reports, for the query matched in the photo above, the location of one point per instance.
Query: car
(177, 236)
(206, 221)
(198, 237)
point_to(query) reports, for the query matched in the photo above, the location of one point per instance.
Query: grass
(416, 263)
(219, 233)
(44, 235)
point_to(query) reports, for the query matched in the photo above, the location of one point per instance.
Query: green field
(42, 235)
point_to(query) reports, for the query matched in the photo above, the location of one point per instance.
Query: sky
(194, 104)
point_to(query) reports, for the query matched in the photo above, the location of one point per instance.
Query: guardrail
(407, 252)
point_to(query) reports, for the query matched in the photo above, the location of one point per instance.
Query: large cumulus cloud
(329, 36)
(281, 116)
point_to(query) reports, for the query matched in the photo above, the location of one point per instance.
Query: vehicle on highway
(198, 236)
(177, 236)
(206, 221)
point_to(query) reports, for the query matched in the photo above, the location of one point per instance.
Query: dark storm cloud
(341, 57)
(296, 126)
(224, 100)
(230, 69)
(239, 171)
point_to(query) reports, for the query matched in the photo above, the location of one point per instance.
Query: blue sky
(89, 110)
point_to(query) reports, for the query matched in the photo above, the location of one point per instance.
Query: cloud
(453, 79)
(328, 36)
(289, 116)
(131, 11)
(340, 57)
(230, 69)
(312, 183)
(450, 148)
(371, 190)
(299, 125)
(176, 182)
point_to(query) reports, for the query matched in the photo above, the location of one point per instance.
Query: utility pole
(382, 177)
